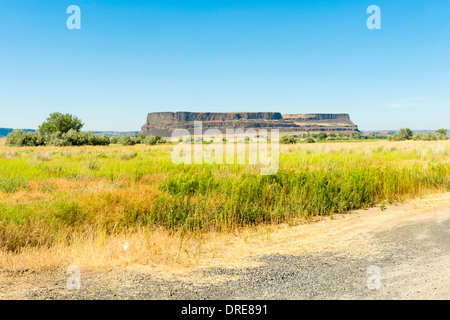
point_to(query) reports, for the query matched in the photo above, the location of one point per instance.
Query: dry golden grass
(159, 251)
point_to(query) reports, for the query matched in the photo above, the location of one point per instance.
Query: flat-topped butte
(165, 123)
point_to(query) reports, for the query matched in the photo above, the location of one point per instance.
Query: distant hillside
(386, 132)
(5, 131)
(117, 133)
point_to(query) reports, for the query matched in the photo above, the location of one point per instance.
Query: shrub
(153, 140)
(126, 141)
(322, 136)
(429, 136)
(74, 138)
(395, 137)
(115, 140)
(93, 139)
(55, 139)
(188, 139)
(286, 139)
(310, 140)
(129, 141)
(128, 156)
(19, 138)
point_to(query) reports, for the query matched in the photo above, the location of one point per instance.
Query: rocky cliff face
(164, 123)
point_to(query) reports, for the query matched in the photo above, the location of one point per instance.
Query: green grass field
(56, 196)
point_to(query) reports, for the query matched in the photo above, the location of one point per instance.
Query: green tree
(58, 122)
(322, 136)
(406, 134)
(442, 131)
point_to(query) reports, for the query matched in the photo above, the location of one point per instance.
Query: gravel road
(409, 245)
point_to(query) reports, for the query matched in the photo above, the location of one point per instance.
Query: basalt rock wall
(165, 123)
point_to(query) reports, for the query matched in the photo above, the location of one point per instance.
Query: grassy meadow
(68, 197)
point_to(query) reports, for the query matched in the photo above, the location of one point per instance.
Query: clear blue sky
(135, 57)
